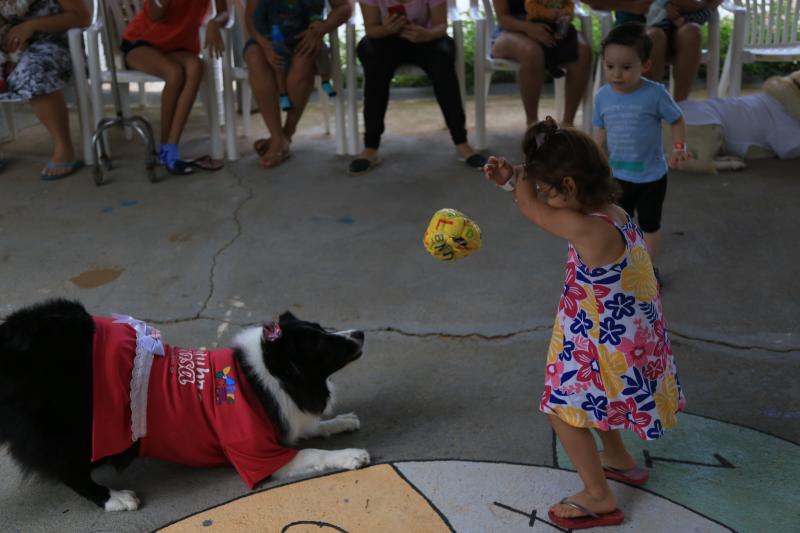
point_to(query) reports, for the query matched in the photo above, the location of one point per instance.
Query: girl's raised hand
(498, 170)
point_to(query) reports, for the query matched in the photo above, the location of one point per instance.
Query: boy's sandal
(179, 168)
(360, 165)
(590, 519)
(476, 160)
(206, 162)
(69, 168)
(632, 476)
(274, 160)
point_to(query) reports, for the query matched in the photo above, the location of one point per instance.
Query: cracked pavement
(450, 347)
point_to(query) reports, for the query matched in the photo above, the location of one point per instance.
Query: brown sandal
(274, 160)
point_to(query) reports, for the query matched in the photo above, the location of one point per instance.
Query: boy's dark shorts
(646, 200)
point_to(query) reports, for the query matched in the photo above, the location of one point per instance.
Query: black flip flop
(179, 168)
(476, 161)
(206, 162)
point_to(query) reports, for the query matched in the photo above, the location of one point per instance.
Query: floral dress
(610, 365)
(45, 66)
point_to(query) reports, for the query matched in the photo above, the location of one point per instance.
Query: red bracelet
(679, 147)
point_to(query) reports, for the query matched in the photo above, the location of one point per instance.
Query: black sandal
(476, 160)
(361, 165)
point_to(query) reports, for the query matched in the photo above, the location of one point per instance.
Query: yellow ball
(451, 235)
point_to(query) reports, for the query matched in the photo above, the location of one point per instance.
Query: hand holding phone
(398, 9)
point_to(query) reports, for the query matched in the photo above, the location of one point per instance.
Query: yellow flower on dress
(589, 304)
(638, 276)
(667, 401)
(556, 343)
(612, 366)
(572, 416)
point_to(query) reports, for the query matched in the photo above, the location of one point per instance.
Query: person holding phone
(410, 32)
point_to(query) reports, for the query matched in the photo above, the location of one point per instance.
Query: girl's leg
(152, 61)
(192, 67)
(578, 73)
(688, 42)
(265, 91)
(299, 84)
(530, 56)
(51, 110)
(614, 453)
(582, 451)
(658, 55)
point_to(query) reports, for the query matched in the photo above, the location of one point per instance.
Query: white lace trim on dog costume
(148, 344)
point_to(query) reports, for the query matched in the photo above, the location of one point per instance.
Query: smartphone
(398, 9)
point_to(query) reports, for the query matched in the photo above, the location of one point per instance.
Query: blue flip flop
(71, 166)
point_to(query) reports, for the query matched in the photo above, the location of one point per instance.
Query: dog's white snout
(354, 334)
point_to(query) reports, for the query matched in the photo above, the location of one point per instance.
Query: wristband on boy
(679, 147)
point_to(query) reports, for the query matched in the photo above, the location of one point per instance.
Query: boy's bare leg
(653, 241)
(582, 451)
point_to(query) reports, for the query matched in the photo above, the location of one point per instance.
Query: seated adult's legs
(578, 73)
(51, 110)
(265, 91)
(658, 54)
(523, 50)
(688, 44)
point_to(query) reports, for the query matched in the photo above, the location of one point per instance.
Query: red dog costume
(193, 407)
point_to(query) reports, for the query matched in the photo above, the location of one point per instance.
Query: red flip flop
(614, 518)
(634, 476)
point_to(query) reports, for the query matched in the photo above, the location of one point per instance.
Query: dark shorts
(127, 46)
(646, 201)
(565, 50)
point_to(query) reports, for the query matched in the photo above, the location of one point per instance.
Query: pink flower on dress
(626, 414)
(553, 373)
(590, 367)
(545, 398)
(600, 292)
(573, 293)
(641, 349)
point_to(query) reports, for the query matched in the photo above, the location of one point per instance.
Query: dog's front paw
(122, 500)
(350, 459)
(346, 422)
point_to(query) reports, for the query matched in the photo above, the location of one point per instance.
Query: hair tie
(540, 139)
(271, 332)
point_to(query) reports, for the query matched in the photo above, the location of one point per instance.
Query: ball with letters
(451, 235)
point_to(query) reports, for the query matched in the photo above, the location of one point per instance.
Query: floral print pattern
(610, 364)
(45, 66)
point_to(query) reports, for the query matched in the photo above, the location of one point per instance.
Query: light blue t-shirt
(633, 129)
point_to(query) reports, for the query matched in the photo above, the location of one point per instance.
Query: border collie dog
(77, 391)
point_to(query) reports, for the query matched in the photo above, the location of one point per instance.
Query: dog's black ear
(287, 316)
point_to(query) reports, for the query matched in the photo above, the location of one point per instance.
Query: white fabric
(755, 120)
(148, 343)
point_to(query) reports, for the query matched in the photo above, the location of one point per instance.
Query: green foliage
(752, 71)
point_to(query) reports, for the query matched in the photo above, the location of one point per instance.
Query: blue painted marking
(739, 476)
(129, 203)
(345, 220)
(107, 209)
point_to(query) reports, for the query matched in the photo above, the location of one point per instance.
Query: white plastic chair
(486, 65)
(232, 72)
(122, 12)
(354, 69)
(709, 56)
(762, 31)
(74, 36)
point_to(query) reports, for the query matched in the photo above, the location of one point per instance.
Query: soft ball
(451, 235)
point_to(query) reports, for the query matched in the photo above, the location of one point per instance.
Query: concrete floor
(453, 365)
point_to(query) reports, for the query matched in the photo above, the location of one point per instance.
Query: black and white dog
(77, 391)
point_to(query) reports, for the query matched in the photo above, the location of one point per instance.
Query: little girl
(609, 365)
(163, 40)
